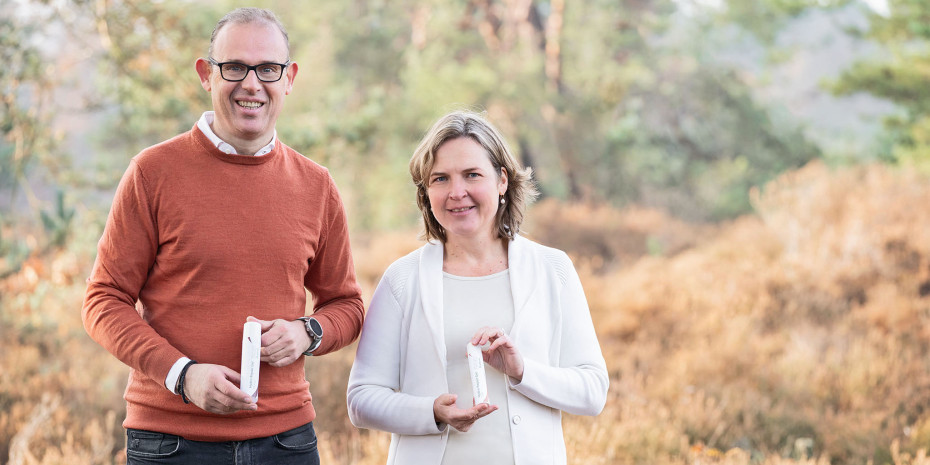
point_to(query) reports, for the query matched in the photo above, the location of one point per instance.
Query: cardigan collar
(521, 261)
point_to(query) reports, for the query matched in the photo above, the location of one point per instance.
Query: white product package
(479, 383)
(251, 358)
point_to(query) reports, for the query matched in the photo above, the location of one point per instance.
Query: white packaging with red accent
(479, 383)
(251, 358)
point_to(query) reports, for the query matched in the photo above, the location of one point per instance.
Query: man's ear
(204, 70)
(291, 74)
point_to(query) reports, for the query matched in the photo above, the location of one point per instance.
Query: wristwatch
(315, 331)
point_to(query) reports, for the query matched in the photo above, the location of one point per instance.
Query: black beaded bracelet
(180, 386)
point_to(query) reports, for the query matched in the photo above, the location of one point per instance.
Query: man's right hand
(214, 388)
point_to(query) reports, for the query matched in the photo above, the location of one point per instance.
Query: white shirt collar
(204, 124)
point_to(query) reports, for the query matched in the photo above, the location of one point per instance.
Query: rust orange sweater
(201, 240)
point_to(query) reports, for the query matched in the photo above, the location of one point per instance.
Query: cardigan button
(516, 419)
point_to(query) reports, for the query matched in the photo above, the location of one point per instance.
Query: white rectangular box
(251, 358)
(479, 383)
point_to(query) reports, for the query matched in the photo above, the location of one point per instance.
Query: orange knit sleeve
(337, 298)
(125, 254)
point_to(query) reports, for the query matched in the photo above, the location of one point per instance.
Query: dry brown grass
(795, 336)
(600, 236)
(804, 325)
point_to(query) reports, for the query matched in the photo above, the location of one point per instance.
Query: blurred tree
(30, 75)
(58, 221)
(702, 142)
(146, 74)
(673, 128)
(766, 18)
(900, 76)
(595, 95)
(26, 86)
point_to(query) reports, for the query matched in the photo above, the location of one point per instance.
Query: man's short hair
(247, 16)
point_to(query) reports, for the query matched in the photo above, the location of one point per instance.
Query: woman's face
(464, 189)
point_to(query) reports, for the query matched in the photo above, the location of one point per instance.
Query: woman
(475, 281)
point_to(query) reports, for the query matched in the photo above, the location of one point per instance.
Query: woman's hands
(445, 411)
(503, 354)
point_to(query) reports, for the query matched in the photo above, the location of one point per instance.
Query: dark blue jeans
(294, 447)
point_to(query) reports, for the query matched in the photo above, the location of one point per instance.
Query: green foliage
(608, 101)
(57, 223)
(148, 69)
(25, 92)
(765, 18)
(616, 112)
(899, 76)
(13, 251)
(717, 142)
(901, 79)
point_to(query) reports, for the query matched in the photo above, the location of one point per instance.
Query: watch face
(315, 327)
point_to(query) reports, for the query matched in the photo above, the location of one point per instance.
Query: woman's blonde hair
(521, 190)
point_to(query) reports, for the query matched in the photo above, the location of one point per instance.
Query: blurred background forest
(744, 186)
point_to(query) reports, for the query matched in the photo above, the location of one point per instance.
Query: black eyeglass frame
(249, 68)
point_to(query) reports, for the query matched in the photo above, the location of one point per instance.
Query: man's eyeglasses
(235, 72)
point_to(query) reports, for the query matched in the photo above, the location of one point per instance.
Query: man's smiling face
(246, 111)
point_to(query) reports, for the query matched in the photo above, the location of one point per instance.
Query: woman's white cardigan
(400, 367)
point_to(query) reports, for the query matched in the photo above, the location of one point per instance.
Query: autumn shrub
(804, 324)
(60, 397)
(606, 236)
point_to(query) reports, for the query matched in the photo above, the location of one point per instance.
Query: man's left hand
(283, 342)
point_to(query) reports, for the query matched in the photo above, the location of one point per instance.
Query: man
(215, 227)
